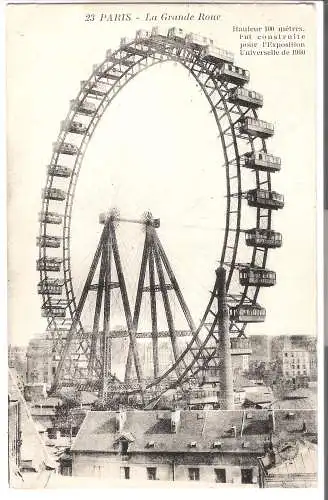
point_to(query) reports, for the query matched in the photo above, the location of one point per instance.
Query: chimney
(272, 421)
(243, 423)
(120, 419)
(272, 457)
(226, 377)
(175, 420)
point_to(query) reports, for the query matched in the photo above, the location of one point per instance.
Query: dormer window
(124, 446)
(150, 444)
(193, 444)
(217, 444)
(123, 441)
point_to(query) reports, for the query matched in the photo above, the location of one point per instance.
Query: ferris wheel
(243, 140)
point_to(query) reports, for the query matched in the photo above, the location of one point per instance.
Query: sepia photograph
(162, 197)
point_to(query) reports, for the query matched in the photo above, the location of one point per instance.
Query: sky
(156, 148)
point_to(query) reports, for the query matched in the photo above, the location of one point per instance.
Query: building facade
(17, 361)
(41, 366)
(295, 362)
(213, 446)
(14, 433)
(261, 347)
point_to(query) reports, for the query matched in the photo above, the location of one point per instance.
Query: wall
(109, 465)
(14, 432)
(168, 466)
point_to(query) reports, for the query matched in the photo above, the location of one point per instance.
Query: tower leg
(153, 314)
(166, 301)
(95, 329)
(72, 332)
(176, 287)
(141, 282)
(126, 304)
(106, 340)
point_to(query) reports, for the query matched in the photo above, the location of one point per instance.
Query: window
(98, 470)
(247, 476)
(125, 472)
(193, 474)
(220, 475)
(151, 473)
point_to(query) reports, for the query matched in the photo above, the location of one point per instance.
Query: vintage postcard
(162, 255)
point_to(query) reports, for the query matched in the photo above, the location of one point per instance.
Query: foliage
(64, 417)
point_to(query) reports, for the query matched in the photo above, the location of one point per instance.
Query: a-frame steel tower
(161, 287)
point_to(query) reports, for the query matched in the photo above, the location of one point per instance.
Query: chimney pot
(120, 420)
(175, 420)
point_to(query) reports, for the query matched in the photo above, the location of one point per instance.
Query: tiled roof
(259, 397)
(99, 431)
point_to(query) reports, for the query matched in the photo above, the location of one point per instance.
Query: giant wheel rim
(123, 65)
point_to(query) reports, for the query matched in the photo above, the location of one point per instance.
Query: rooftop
(33, 447)
(301, 398)
(294, 458)
(99, 430)
(48, 402)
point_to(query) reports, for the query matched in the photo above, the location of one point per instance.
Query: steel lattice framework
(243, 140)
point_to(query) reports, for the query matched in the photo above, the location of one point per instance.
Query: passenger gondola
(232, 74)
(263, 198)
(54, 194)
(264, 238)
(49, 264)
(246, 97)
(252, 276)
(259, 160)
(48, 241)
(256, 128)
(247, 314)
(59, 171)
(52, 286)
(50, 218)
(216, 55)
